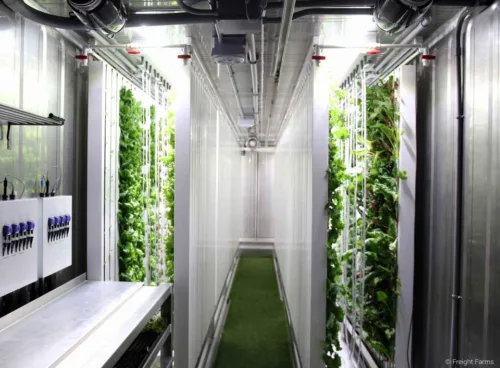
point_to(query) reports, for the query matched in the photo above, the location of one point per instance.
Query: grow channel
(363, 176)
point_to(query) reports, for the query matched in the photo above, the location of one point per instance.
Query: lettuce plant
(130, 205)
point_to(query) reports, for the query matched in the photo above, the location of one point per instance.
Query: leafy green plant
(334, 207)
(381, 280)
(153, 196)
(169, 192)
(130, 205)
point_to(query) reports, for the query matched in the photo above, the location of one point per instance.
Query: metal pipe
(255, 79)
(195, 11)
(127, 46)
(457, 243)
(333, 11)
(324, 4)
(230, 71)
(374, 46)
(121, 57)
(261, 120)
(404, 38)
(286, 24)
(445, 29)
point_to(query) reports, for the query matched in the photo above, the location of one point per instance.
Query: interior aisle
(256, 332)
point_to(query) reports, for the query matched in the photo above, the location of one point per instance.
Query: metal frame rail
(12, 116)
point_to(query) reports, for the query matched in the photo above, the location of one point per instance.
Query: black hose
(9, 13)
(194, 11)
(457, 267)
(140, 20)
(19, 6)
(317, 11)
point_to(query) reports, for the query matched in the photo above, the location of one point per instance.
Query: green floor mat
(256, 332)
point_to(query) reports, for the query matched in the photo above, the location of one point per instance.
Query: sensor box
(55, 233)
(19, 250)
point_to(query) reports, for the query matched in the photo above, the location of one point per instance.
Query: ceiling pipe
(261, 118)
(195, 11)
(141, 19)
(286, 25)
(404, 38)
(230, 71)
(324, 11)
(255, 77)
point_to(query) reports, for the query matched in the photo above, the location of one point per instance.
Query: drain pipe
(457, 244)
(254, 73)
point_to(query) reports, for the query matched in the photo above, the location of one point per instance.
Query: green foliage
(169, 192)
(130, 206)
(153, 196)
(381, 282)
(334, 207)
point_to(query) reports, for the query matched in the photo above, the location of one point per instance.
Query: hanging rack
(12, 116)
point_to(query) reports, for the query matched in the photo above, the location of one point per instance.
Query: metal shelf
(90, 326)
(12, 116)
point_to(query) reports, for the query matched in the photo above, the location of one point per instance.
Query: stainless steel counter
(91, 325)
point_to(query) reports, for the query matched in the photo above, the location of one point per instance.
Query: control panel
(19, 253)
(55, 234)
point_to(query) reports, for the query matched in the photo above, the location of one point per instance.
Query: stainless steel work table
(91, 325)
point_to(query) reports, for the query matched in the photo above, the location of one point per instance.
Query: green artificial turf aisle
(256, 332)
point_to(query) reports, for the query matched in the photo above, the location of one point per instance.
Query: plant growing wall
(169, 191)
(334, 207)
(381, 280)
(366, 142)
(130, 203)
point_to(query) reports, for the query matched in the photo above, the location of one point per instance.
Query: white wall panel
(207, 239)
(292, 215)
(257, 195)
(300, 224)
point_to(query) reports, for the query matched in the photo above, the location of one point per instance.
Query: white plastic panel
(257, 182)
(293, 216)
(214, 209)
(19, 257)
(56, 217)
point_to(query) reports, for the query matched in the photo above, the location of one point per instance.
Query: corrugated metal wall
(435, 217)
(215, 220)
(481, 254)
(257, 195)
(435, 198)
(38, 73)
